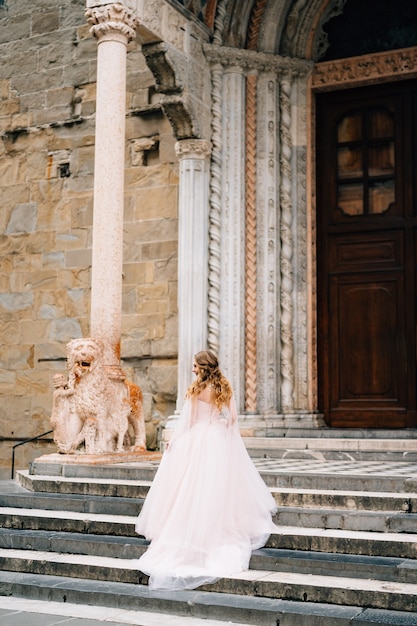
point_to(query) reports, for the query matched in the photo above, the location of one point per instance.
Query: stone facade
(219, 220)
(47, 106)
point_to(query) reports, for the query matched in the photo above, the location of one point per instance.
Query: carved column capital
(193, 149)
(115, 22)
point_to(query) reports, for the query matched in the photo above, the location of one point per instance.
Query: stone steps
(302, 473)
(267, 584)
(352, 510)
(284, 496)
(345, 551)
(255, 611)
(308, 562)
(402, 545)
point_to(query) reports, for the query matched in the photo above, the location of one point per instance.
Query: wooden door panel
(367, 351)
(366, 216)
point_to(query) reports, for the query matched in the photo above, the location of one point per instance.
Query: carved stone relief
(372, 68)
(268, 286)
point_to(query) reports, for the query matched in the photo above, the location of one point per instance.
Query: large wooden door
(366, 226)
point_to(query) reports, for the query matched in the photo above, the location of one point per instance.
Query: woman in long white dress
(208, 507)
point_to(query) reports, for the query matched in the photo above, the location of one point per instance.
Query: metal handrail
(21, 443)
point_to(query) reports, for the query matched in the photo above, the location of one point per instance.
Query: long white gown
(208, 507)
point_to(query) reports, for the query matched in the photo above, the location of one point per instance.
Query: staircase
(345, 553)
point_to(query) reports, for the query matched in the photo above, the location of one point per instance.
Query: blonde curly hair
(209, 374)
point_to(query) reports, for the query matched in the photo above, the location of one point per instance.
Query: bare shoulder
(207, 395)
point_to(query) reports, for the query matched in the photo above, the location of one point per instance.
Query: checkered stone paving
(363, 468)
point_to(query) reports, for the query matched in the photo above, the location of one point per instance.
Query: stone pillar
(232, 257)
(193, 208)
(113, 25)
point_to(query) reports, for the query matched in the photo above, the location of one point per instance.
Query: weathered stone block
(168, 344)
(85, 160)
(8, 107)
(59, 97)
(20, 120)
(12, 410)
(79, 184)
(21, 357)
(38, 81)
(18, 25)
(135, 273)
(16, 301)
(10, 197)
(52, 115)
(42, 279)
(79, 73)
(129, 303)
(53, 215)
(166, 269)
(74, 239)
(13, 169)
(34, 331)
(7, 380)
(23, 218)
(64, 329)
(51, 350)
(167, 148)
(78, 258)
(47, 191)
(81, 211)
(4, 89)
(74, 278)
(9, 330)
(159, 250)
(40, 241)
(53, 259)
(146, 177)
(32, 382)
(151, 230)
(45, 22)
(157, 202)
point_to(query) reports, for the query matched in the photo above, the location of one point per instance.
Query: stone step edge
(78, 543)
(195, 603)
(282, 530)
(339, 444)
(408, 498)
(269, 584)
(147, 483)
(392, 544)
(16, 605)
(80, 538)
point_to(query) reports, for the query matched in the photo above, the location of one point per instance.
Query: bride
(208, 507)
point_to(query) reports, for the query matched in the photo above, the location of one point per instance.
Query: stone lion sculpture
(96, 407)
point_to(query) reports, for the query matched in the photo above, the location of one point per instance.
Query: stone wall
(47, 103)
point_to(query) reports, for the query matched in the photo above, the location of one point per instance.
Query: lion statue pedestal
(96, 411)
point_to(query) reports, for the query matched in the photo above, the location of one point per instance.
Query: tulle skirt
(207, 508)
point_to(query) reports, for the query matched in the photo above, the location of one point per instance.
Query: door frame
(362, 71)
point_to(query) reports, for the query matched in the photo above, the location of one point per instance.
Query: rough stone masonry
(47, 106)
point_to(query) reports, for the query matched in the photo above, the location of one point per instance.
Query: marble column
(193, 155)
(113, 25)
(232, 257)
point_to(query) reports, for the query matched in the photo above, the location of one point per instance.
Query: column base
(258, 425)
(280, 424)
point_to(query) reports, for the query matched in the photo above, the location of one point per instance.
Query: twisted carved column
(215, 210)
(287, 282)
(113, 25)
(213, 339)
(250, 245)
